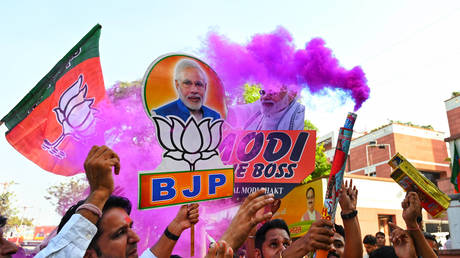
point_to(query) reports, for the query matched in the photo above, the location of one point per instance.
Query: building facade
(424, 148)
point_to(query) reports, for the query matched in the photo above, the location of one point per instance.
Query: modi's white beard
(277, 106)
(192, 106)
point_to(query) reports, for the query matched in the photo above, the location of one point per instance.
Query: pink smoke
(123, 125)
(272, 60)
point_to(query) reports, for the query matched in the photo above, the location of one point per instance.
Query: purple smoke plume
(123, 125)
(272, 60)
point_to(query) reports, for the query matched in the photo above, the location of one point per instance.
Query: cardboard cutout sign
(301, 207)
(185, 99)
(276, 160)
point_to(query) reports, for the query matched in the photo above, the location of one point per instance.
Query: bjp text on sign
(171, 188)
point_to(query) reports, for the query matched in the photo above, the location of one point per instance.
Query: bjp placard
(184, 98)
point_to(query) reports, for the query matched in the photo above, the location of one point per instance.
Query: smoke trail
(272, 60)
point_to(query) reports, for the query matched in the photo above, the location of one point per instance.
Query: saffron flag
(455, 169)
(49, 123)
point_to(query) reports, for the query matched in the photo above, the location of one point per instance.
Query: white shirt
(74, 238)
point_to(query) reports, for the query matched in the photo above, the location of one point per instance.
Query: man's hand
(98, 168)
(348, 197)
(412, 209)
(247, 218)
(220, 250)
(319, 236)
(185, 218)
(402, 242)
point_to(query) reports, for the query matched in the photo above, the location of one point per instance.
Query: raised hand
(412, 209)
(98, 168)
(247, 218)
(348, 197)
(402, 242)
(185, 218)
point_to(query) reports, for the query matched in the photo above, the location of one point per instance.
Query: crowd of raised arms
(100, 226)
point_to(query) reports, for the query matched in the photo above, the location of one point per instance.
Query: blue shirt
(178, 108)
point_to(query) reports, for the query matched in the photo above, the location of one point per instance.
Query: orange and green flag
(48, 125)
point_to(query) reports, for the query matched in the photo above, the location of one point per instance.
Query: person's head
(384, 252)
(191, 83)
(115, 236)
(431, 239)
(380, 237)
(275, 100)
(7, 249)
(272, 237)
(310, 194)
(370, 243)
(338, 242)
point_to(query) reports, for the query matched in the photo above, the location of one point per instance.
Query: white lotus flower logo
(190, 141)
(74, 113)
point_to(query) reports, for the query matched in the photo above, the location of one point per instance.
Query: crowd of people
(101, 226)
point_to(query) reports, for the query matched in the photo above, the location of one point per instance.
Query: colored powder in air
(272, 61)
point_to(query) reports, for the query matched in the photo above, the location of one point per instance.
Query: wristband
(349, 215)
(92, 208)
(170, 235)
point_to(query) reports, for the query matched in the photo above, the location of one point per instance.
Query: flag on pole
(47, 125)
(455, 169)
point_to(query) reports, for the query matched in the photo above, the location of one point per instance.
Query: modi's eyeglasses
(188, 84)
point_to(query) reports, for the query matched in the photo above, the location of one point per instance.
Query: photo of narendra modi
(183, 86)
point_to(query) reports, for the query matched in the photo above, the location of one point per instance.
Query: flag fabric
(455, 169)
(48, 124)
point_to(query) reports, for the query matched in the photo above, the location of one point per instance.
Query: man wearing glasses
(277, 109)
(191, 83)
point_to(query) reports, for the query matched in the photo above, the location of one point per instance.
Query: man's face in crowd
(337, 247)
(276, 239)
(191, 86)
(273, 101)
(118, 238)
(369, 248)
(7, 249)
(380, 240)
(311, 199)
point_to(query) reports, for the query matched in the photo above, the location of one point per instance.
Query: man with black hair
(100, 226)
(271, 238)
(380, 237)
(370, 244)
(7, 249)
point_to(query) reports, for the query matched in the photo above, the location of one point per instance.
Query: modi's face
(191, 86)
(273, 101)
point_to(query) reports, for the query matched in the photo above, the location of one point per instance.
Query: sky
(409, 51)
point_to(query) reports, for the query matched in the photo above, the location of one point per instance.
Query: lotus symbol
(74, 113)
(190, 141)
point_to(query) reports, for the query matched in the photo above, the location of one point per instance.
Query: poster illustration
(302, 206)
(184, 98)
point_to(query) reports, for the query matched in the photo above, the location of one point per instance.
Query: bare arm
(348, 200)
(411, 210)
(98, 168)
(185, 218)
(247, 218)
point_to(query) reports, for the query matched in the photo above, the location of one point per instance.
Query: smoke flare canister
(337, 170)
